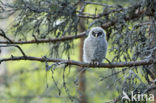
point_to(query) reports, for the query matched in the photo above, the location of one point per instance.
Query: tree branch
(82, 64)
(54, 40)
(50, 40)
(2, 33)
(93, 16)
(16, 47)
(104, 26)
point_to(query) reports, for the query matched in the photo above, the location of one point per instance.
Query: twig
(150, 89)
(93, 16)
(8, 45)
(110, 75)
(151, 52)
(114, 100)
(96, 3)
(82, 64)
(59, 90)
(2, 33)
(65, 86)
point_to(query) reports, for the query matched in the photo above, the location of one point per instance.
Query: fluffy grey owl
(95, 46)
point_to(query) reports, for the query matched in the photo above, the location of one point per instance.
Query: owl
(95, 46)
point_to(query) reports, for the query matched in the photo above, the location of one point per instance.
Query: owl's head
(97, 32)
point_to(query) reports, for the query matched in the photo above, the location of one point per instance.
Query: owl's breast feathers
(95, 49)
(101, 49)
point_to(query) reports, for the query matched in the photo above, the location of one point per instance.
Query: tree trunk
(151, 8)
(82, 79)
(153, 69)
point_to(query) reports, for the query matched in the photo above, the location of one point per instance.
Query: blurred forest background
(41, 45)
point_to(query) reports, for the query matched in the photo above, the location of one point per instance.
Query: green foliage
(129, 39)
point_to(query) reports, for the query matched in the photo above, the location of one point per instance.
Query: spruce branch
(82, 64)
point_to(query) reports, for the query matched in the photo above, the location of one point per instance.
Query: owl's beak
(96, 35)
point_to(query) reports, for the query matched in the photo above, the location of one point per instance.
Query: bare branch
(82, 64)
(16, 47)
(50, 40)
(2, 33)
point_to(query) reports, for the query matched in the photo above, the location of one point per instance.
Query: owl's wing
(104, 47)
(88, 50)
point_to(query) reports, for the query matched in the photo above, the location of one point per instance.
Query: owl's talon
(94, 63)
(91, 63)
(97, 63)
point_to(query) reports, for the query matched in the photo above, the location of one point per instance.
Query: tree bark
(153, 69)
(151, 8)
(82, 79)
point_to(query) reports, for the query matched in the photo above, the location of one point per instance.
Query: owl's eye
(100, 33)
(93, 33)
